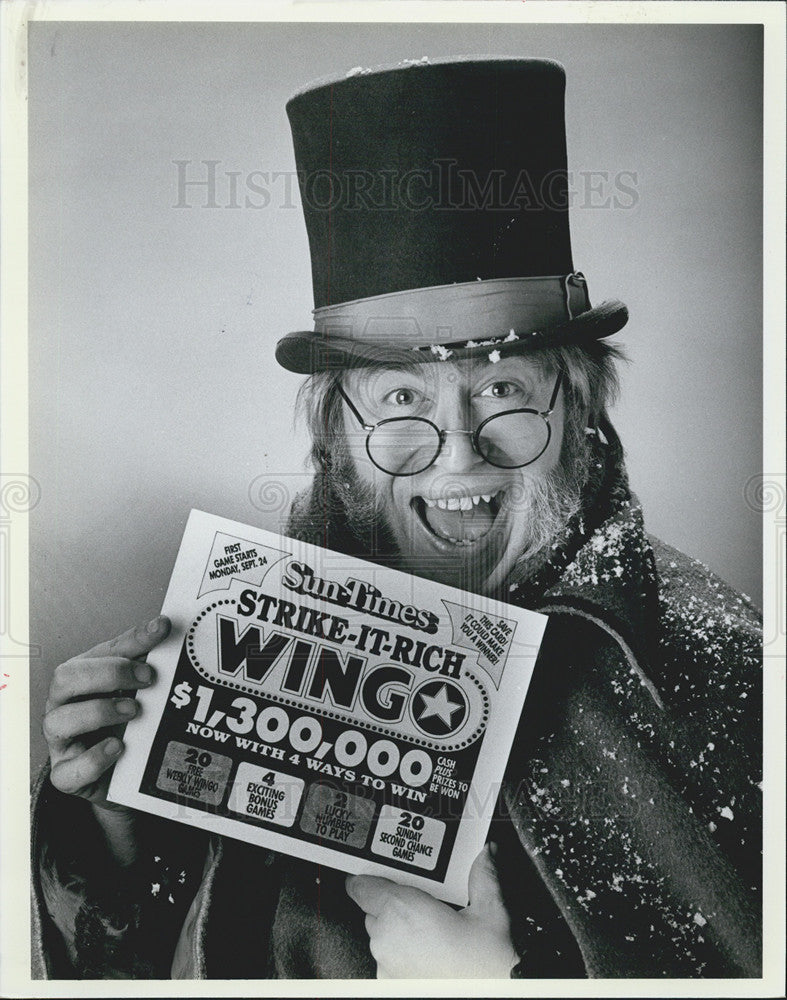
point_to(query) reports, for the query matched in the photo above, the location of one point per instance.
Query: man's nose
(457, 454)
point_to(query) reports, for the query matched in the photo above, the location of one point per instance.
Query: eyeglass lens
(404, 446)
(510, 440)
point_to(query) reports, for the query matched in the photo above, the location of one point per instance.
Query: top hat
(435, 196)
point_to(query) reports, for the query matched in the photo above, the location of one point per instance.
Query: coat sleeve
(620, 826)
(93, 919)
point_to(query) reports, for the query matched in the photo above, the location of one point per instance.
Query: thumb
(484, 884)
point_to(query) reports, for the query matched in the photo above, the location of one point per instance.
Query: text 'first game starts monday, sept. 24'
(328, 708)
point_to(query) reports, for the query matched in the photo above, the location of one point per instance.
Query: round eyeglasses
(405, 446)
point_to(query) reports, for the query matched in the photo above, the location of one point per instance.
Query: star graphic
(440, 705)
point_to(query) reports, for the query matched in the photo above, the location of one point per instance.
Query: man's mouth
(462, 520)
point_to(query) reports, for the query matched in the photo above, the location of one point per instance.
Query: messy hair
(590, 386)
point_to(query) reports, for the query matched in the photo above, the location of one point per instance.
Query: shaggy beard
(547, 504)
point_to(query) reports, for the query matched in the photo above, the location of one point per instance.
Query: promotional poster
(328, 708)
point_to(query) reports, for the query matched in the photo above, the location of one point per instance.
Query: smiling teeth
(458, 503)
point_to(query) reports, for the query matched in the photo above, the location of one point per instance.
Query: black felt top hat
(435, 196)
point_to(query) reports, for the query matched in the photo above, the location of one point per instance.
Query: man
(457, 400)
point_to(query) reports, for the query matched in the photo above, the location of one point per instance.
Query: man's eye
(499, 390)
(401, 397)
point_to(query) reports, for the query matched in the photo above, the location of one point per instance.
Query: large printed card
(328, 708)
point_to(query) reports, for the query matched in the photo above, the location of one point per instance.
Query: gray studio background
(152, 382)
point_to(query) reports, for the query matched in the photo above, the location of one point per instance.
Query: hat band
(468, 311)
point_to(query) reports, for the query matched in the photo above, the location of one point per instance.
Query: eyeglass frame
(441, 434)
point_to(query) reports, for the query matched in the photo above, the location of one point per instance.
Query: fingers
(65, 722)
(86, 698)
(134, 643)
(96, 675)
(374, 894)
(79, 772)
(370, 892)
(484, 884)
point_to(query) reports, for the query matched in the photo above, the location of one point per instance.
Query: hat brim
(306, 351)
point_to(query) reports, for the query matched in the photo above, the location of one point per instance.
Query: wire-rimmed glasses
(405, 446)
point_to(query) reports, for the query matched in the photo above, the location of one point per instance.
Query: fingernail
(126, 706)
(112, 747)
(143, 673)
(153, 624)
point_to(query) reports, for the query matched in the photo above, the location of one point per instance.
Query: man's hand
(413, 936)
(91, 699)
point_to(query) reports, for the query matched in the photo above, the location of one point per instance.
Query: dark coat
(629, 821)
